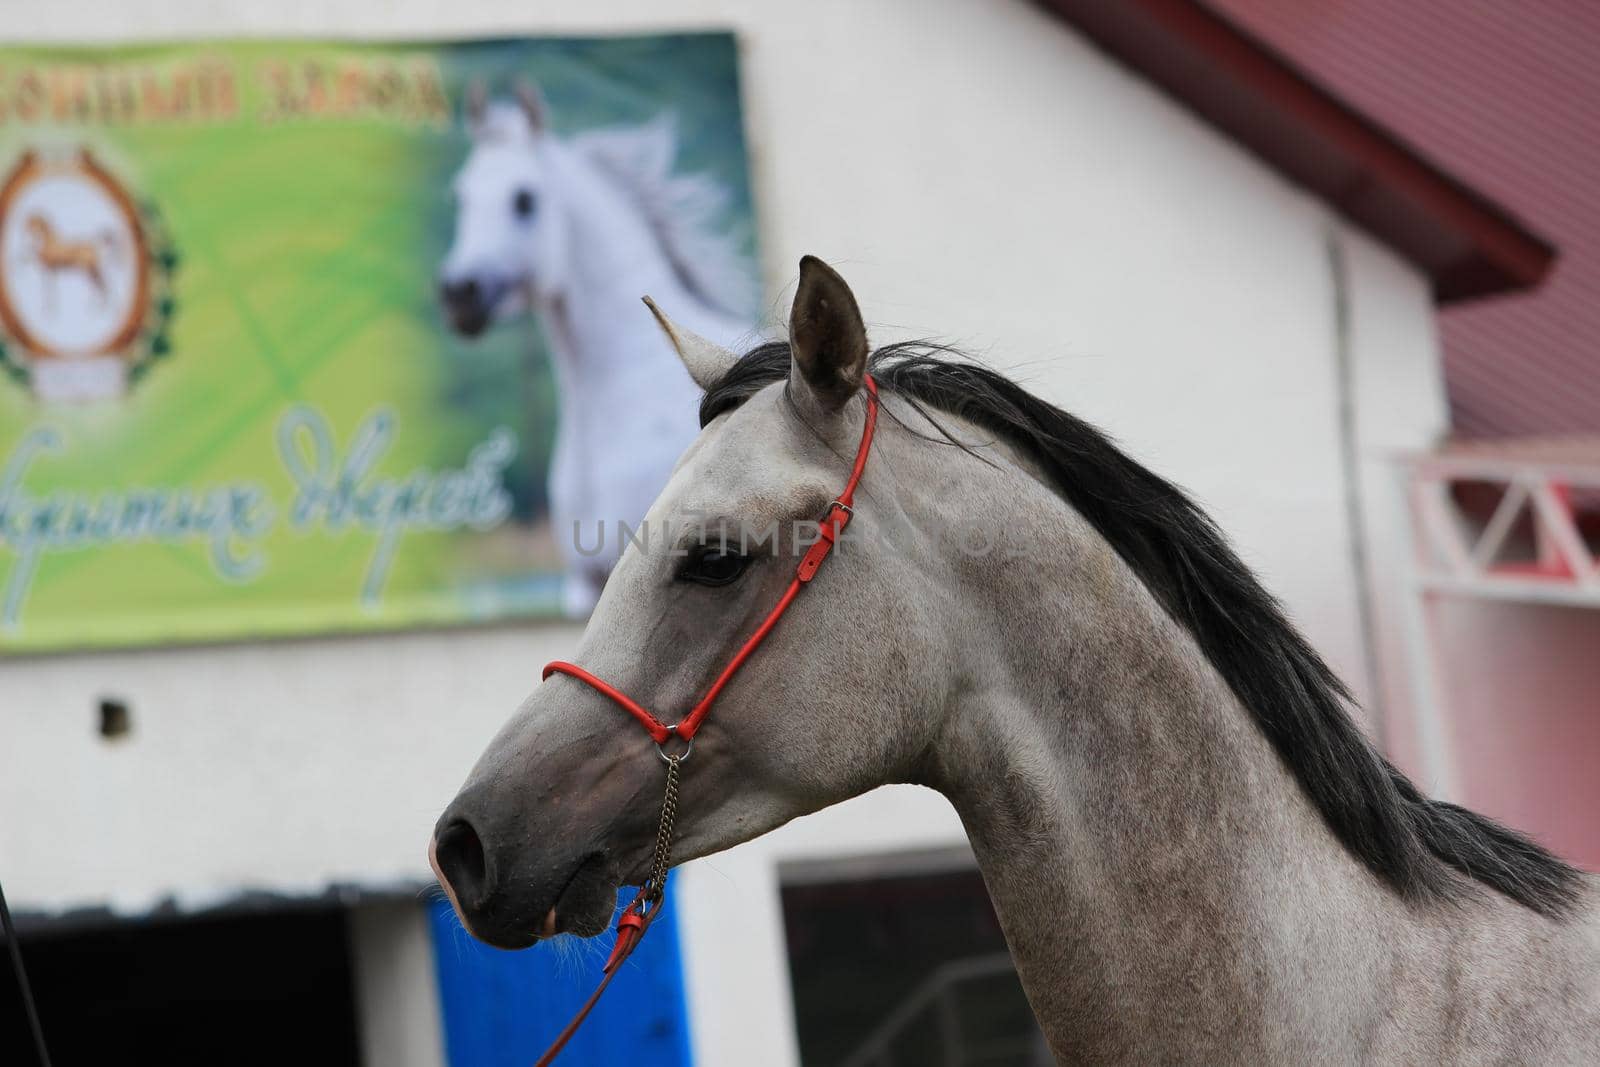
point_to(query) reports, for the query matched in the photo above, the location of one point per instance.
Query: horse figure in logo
(573, 230)
(56, 254)
(1195, 853)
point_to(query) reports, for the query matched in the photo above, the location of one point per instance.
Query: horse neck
(598, 326)
(1148, 855)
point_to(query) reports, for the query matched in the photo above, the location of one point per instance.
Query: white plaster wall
(1400, 408)
(978, 172)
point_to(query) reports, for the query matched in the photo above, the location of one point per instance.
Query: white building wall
(1400, 408)
(979, 173)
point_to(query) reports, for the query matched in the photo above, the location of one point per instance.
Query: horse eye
(522, 203)
(714, 566)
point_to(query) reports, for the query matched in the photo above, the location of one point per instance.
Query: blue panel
(501, 1009)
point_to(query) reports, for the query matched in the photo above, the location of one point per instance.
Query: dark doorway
(904, 965)
(241, 989)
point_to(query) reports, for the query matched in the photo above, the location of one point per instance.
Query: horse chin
(586, 905)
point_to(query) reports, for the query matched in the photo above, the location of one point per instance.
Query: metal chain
(656, 886)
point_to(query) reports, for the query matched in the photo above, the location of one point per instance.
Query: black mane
(1181, 556)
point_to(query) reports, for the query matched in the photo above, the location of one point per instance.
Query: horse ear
(532, 104)
(706, 362)
(827, 340)
(477, 103)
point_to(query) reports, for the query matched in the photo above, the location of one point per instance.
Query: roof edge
(1468, 245)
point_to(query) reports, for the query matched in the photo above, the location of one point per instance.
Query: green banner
(243, 393)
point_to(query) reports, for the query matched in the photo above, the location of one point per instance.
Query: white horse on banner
(574, 230)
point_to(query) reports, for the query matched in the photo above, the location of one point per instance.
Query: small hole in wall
(116, 721)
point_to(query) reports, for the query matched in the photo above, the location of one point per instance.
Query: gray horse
(1196, 855)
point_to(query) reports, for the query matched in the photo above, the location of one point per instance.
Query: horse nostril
(459, 854)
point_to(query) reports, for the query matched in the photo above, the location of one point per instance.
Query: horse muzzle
(468, 304)
(510, 895)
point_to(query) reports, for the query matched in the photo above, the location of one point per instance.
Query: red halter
(832, 525)
(638, 915)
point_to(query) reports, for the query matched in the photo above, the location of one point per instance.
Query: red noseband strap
(828, 530)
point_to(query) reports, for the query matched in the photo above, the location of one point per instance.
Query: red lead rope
(637, 916)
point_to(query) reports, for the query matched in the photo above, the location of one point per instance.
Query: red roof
(1506, 96)
(1465, 243)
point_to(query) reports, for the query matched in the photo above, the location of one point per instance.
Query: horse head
(508, 248)
(561, 810)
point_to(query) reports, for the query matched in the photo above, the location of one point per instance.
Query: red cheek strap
(829, 530)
